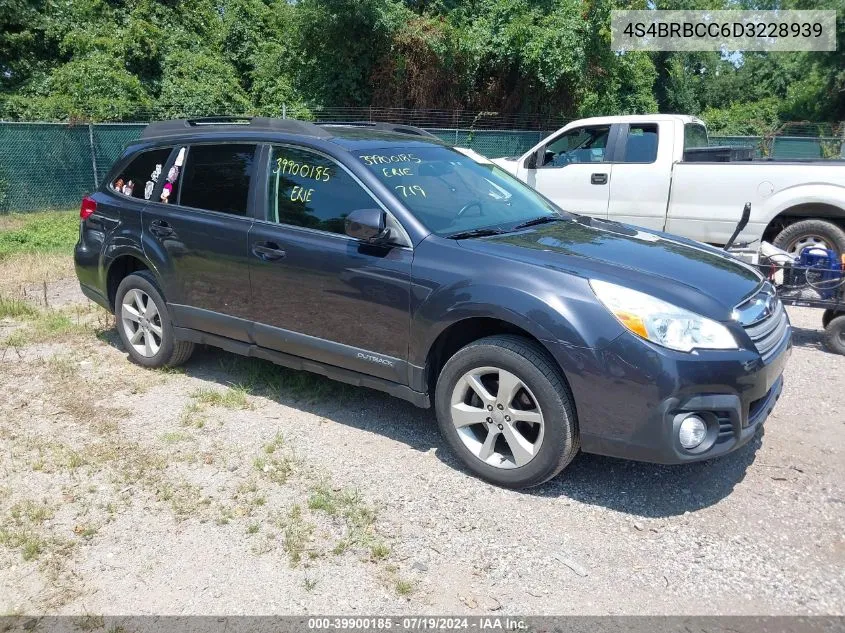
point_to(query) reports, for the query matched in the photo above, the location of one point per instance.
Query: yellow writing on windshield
(390, 172)
(385, 159)
(410, 190)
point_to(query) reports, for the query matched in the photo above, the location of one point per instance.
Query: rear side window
(695, 135)
(309, 190)
(641, 144)
(139, 177)
(217, 177)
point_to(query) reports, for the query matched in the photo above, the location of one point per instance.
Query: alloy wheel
(141, 322)
(497, 417)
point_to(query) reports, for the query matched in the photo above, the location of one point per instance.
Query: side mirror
(531, 161)
(366, 225)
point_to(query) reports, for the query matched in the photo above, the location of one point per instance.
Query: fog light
(692, 432)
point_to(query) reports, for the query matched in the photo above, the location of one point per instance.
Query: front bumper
(632, 395)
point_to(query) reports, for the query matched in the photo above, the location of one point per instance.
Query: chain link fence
(53, 165)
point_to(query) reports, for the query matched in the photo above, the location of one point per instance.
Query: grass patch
(44, 232)
(379, 551)
(276, 469)
(192, 415)
(358, 516)
(404, 587)
(20, 529)
(174, 437)
(50, 325)
(297, 531)
(230, 398)
(16, 308)
(263, 377)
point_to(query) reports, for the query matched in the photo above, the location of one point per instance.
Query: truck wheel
(796, 237)
(505, 409)
(834, 335)
(143, 323)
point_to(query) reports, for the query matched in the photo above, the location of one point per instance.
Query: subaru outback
(380, 257)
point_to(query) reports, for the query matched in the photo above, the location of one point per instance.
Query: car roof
(639, 118)
(351, 136)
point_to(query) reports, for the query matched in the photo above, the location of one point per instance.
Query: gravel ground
(127, 491)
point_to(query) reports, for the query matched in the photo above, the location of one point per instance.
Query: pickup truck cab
(657, 171)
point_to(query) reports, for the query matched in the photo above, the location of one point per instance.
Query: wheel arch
(122, 265)
(797, 211)
(466, 330)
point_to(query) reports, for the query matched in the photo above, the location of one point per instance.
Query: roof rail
(228, 123)
(385, 127)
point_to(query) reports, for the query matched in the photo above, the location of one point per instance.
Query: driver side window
(581, 145)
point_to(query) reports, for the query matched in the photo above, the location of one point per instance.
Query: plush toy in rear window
(128, 188)
(151, 183)
(166, 191)
(118, 185)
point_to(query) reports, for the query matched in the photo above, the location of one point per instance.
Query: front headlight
(661, 322)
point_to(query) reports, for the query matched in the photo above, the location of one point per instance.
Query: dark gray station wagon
(375, 255)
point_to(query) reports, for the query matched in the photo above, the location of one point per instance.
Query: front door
(573, 171)
(199, 232)
(316, 292)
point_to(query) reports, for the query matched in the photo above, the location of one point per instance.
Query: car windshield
(453, 193)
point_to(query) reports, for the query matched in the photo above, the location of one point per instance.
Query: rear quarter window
(139, 177)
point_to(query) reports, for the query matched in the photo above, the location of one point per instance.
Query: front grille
(767, 321)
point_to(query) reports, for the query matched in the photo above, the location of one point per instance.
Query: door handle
(598, 179)
(161, 228)
(268, 251)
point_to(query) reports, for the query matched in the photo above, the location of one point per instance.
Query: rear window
(217, 177)
(139, 177)
(695, 135)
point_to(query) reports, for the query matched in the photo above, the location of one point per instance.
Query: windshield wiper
(543, 219)
(462, 235)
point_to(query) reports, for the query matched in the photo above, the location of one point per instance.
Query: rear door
(316, 292)
(196, 227)
(639, 192)
(574, 170)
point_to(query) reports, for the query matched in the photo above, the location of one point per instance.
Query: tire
(539, 393)
(834, 335)
(805, 233)
(155, 345)
(829, 315)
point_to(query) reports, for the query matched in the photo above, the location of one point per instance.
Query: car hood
(686, 273)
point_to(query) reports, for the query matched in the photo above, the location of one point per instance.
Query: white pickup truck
(657, 171)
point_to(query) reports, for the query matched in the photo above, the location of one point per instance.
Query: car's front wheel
(143, 323)
(505, 409)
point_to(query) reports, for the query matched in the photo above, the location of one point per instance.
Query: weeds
(404, 587)
(16, 308)
(231, 398)
(297, 532)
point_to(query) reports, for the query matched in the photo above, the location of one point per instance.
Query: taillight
(89, 206)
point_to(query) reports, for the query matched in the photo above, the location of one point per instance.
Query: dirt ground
(234, 486)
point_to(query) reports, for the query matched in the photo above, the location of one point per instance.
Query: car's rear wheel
(505, 409)
(143, 323)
